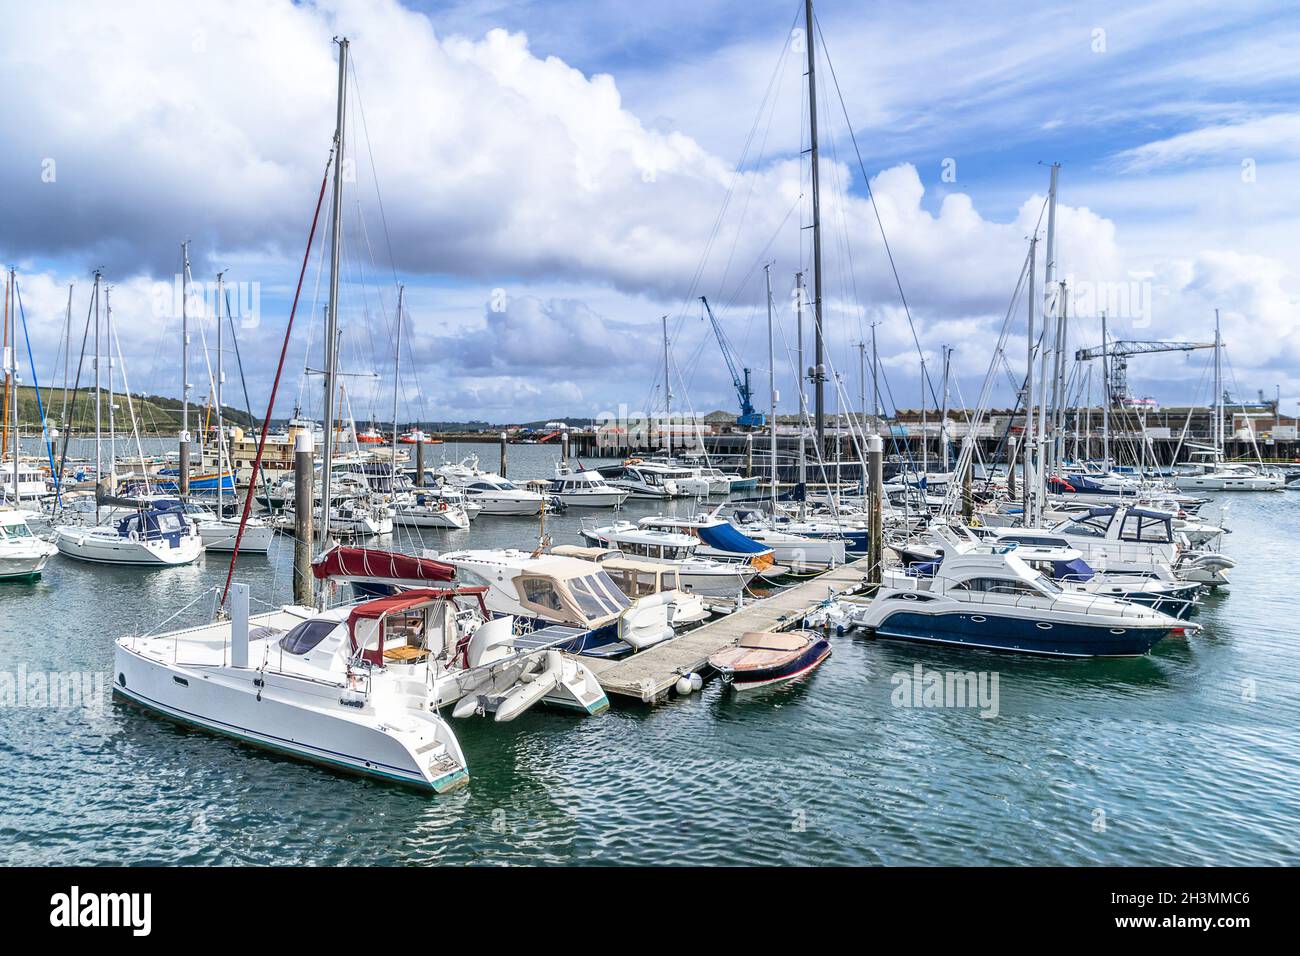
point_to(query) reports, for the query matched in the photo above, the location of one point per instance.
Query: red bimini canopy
(373, 564)
(380, 608)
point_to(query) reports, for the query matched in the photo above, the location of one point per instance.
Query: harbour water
(1190, 755)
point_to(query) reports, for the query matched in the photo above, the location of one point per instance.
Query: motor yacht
(986, 596)
(706, 576)
(585, 488)
(23, 555)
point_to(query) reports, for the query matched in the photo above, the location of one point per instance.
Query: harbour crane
(749, 417)
(1117, 354)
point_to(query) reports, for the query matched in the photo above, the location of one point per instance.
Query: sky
(549, 180)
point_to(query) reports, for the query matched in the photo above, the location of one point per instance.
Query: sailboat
(359, 687)
(146, 532)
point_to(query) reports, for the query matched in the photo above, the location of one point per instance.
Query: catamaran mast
(818, 369)
(397, 376)
(332, 324)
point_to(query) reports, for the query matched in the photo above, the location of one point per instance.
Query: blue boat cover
(724, 537)
(1076, 570)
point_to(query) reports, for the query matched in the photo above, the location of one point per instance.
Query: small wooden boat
(761, 658)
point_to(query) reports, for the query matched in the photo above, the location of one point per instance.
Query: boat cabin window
(306, 636)
(592, 598)
(15, 531)
(996, 586)
(1142, 527)
(1092, 527)
(541, 592)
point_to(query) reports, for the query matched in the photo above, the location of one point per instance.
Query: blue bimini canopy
(724, 537)
(1076, 570)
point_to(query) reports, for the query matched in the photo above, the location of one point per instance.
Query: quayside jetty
(649, 676)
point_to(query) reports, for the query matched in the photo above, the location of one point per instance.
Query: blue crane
(749, 418)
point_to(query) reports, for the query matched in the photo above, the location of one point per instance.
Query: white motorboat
(31, 483)
(358, 688)
(1233, 477)
(645, 480)
(493, 494)
(219, 533)
(155, 536)
(555, 595)
(348, 519)
(706, 576)
(639, 579)
(585, 488)
(987, 597)
(721, 540)
(23, 555)
(422, 510)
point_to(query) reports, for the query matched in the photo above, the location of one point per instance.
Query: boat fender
(696, 681)
(683, 686)
(468, 706)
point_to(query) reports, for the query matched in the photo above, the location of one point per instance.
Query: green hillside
(157, 414)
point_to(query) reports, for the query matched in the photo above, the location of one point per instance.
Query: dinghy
(762, 658)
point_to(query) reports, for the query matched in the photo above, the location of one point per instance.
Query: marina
(391, 570)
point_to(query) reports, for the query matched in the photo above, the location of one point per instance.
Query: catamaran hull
(226, 701)
(991, 631)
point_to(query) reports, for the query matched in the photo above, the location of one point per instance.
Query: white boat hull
(84, 544)
(597, 499)
(413, 747)
(24, 563)
(454, 518)
(220, 536)
(490, 504)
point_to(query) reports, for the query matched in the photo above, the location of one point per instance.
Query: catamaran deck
(650, 674)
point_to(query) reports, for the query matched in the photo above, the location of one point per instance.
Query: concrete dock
(651, 674)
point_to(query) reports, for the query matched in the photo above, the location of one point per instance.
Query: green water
(1186, 756)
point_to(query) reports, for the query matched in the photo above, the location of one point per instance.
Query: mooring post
(419, 458)
(304, 487)
(564, 447)
(875, 526)
(749, 454)
(502, 472)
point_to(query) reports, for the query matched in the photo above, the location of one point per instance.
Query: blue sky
(550, 175)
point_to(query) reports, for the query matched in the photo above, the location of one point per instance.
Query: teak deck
(649, 675)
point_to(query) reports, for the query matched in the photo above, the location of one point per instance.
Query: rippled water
(1165, 759)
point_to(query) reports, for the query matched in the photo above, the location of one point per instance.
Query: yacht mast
(221, 426)
(771, 374)
(668, 395)
(1105, 396)
(185, 370)
(1027, 441)
(99, 458)
(818, 370)
(803, 398)
(332, 324)
(112, 424)
(1220, 433)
